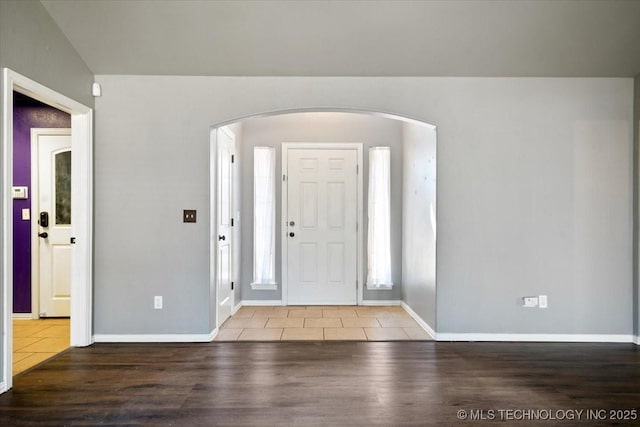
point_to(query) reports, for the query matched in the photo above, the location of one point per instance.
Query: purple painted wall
(27, 114)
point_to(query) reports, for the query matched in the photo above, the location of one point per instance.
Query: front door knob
(292, 234)
(43, 235)
(221, 237)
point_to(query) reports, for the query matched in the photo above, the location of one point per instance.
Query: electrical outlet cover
(189, 215)
(542, 299)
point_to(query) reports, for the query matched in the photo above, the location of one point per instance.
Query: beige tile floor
(316, 323)
(36, 340)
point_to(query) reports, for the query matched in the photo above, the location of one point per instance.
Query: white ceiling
(560, 38)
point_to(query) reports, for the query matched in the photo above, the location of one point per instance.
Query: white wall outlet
(542, 301)
(529, 302)
(157, 302)
(26, 214)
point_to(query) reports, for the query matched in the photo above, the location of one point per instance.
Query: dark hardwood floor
(330, 383)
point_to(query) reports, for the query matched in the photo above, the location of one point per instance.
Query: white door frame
(81, 214)
(286, 146)
(35, 227)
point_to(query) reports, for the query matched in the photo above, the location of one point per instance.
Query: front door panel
(322, 242)
(52, 208)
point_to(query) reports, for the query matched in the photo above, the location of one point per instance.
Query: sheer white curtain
(264, 219)
(379, 230)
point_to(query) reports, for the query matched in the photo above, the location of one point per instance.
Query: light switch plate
(26, 214)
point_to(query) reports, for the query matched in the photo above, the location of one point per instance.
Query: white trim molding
(140, 338)
(636, 340)
(424, 325)
(260, 302)
(22, 316)
(236, 307)
(250, 303)
(602, 338)
(264, 286)
(376, 302)
(380, 287)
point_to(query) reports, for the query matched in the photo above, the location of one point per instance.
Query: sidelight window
(379, 214)
(264, 218)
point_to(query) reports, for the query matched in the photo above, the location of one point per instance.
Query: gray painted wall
(418, 220)
(32, 45)
(352, 38)
(534, 194)
(320, 127)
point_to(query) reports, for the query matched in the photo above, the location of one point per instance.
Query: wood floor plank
(320, 383)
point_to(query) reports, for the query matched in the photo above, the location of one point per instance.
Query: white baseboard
(3, 387)
(139, 338)
(235, 309)
(424, 325)
(258, 302)
(604, 338)
(22, 316)
(279, 302)
(440, 336)
(374, 302)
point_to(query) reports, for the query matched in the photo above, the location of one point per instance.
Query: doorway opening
(407, 138)
(79, 253)
(41, 228)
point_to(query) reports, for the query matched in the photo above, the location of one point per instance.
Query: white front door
(321, 226)
(224, 263)
(51, 220)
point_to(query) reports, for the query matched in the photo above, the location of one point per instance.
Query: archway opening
(412, 145)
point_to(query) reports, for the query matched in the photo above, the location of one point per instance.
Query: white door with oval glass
(51, 221)
(321, 225)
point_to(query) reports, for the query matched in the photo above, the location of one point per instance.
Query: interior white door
(321, 226)
(224, 263)
(51, 204)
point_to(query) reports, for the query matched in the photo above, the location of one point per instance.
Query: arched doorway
(331, 126)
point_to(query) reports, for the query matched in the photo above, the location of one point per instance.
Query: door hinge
(284, 177)
(72, 240)
(356, 227)
(231, 285)
(357, 169)
(232, 222)
(233, 158)
(356, 284)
